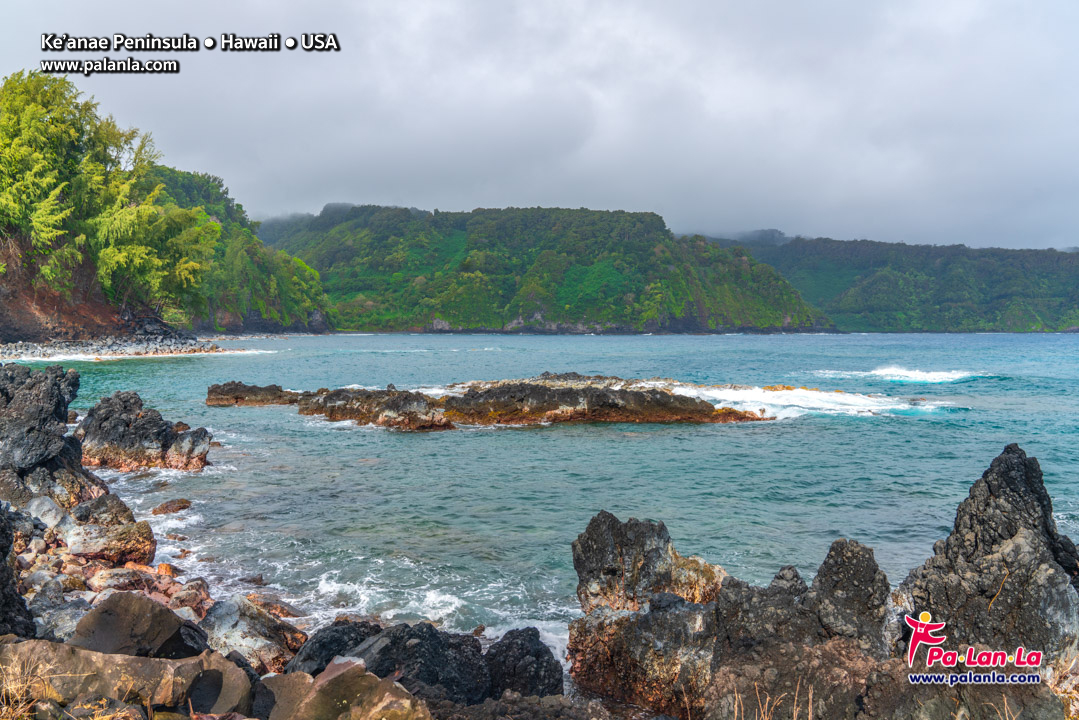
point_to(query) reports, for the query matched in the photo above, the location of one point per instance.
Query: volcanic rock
(387, 408)
(36, 458)
(514, 706)
(15, 618)
(107, 510)
(267, 642)
(544, 399)
(431, 664)
(120, 433)
(208, 683)
(650, 645)
(620, 565)
(1005, 576)
(128, 623)
(171, 506)
(340, 638)
(117, 544)
(830, 649)
(56, 617)
(275, 606)
(570, 397)
(344, 690)
(520, 662)
(238, 393)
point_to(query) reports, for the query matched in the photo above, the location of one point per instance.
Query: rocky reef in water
(683, 638)
(547, 398)
(120, 433)
(90, 627)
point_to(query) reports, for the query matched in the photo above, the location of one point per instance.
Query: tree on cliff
(80, 196)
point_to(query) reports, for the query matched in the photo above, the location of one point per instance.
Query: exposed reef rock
(121, 434)
(544, 399)
(707, 645)
(237, 393)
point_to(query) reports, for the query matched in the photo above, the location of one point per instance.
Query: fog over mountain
(943, 121)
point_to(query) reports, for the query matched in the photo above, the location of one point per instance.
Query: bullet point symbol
(290, 43)
(209, 43)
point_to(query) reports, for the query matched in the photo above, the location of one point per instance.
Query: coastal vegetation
(866, 286)
(86, 209)
(545, 269)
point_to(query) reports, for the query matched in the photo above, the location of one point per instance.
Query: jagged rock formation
(548, 398)
(36, 458)
(706, 645)
(337, 639)
(238, 393)
(520, 663)
(620, 565)
(1005, 576)
(121, 434)
(436, 665)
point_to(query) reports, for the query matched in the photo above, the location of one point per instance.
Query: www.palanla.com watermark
(981, 663)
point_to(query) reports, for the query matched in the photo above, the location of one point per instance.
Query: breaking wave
(896, 373)
(787, 403)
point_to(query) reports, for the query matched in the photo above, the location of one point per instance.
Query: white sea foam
(896, 373)
(787, 404)
(433, 605)
(87, 357)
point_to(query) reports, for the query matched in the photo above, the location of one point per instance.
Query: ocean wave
(89, 357)
(899, 374)
(786, 404)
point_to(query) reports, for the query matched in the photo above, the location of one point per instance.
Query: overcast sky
(932, 121)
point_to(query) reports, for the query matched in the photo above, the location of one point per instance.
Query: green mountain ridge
(867, 286)
(533, 269)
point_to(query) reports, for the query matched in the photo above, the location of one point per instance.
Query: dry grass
(20, 684)
(17, 686)
(1005, 713)
(1066, 687)
(767, 707)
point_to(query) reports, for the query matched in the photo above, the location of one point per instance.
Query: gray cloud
(932, 121)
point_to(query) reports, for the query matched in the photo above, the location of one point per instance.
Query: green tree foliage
(244, 277)
(81, 195)
(396, 268)
(891, 287)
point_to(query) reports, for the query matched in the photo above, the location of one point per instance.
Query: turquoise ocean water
(474, 526)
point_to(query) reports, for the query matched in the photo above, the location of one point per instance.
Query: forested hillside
(90, 219)
(540, 269)
(891, 287)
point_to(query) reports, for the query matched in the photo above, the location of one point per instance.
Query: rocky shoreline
(547, 398)
(109, 347)
(91, 627)
(683, 638)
